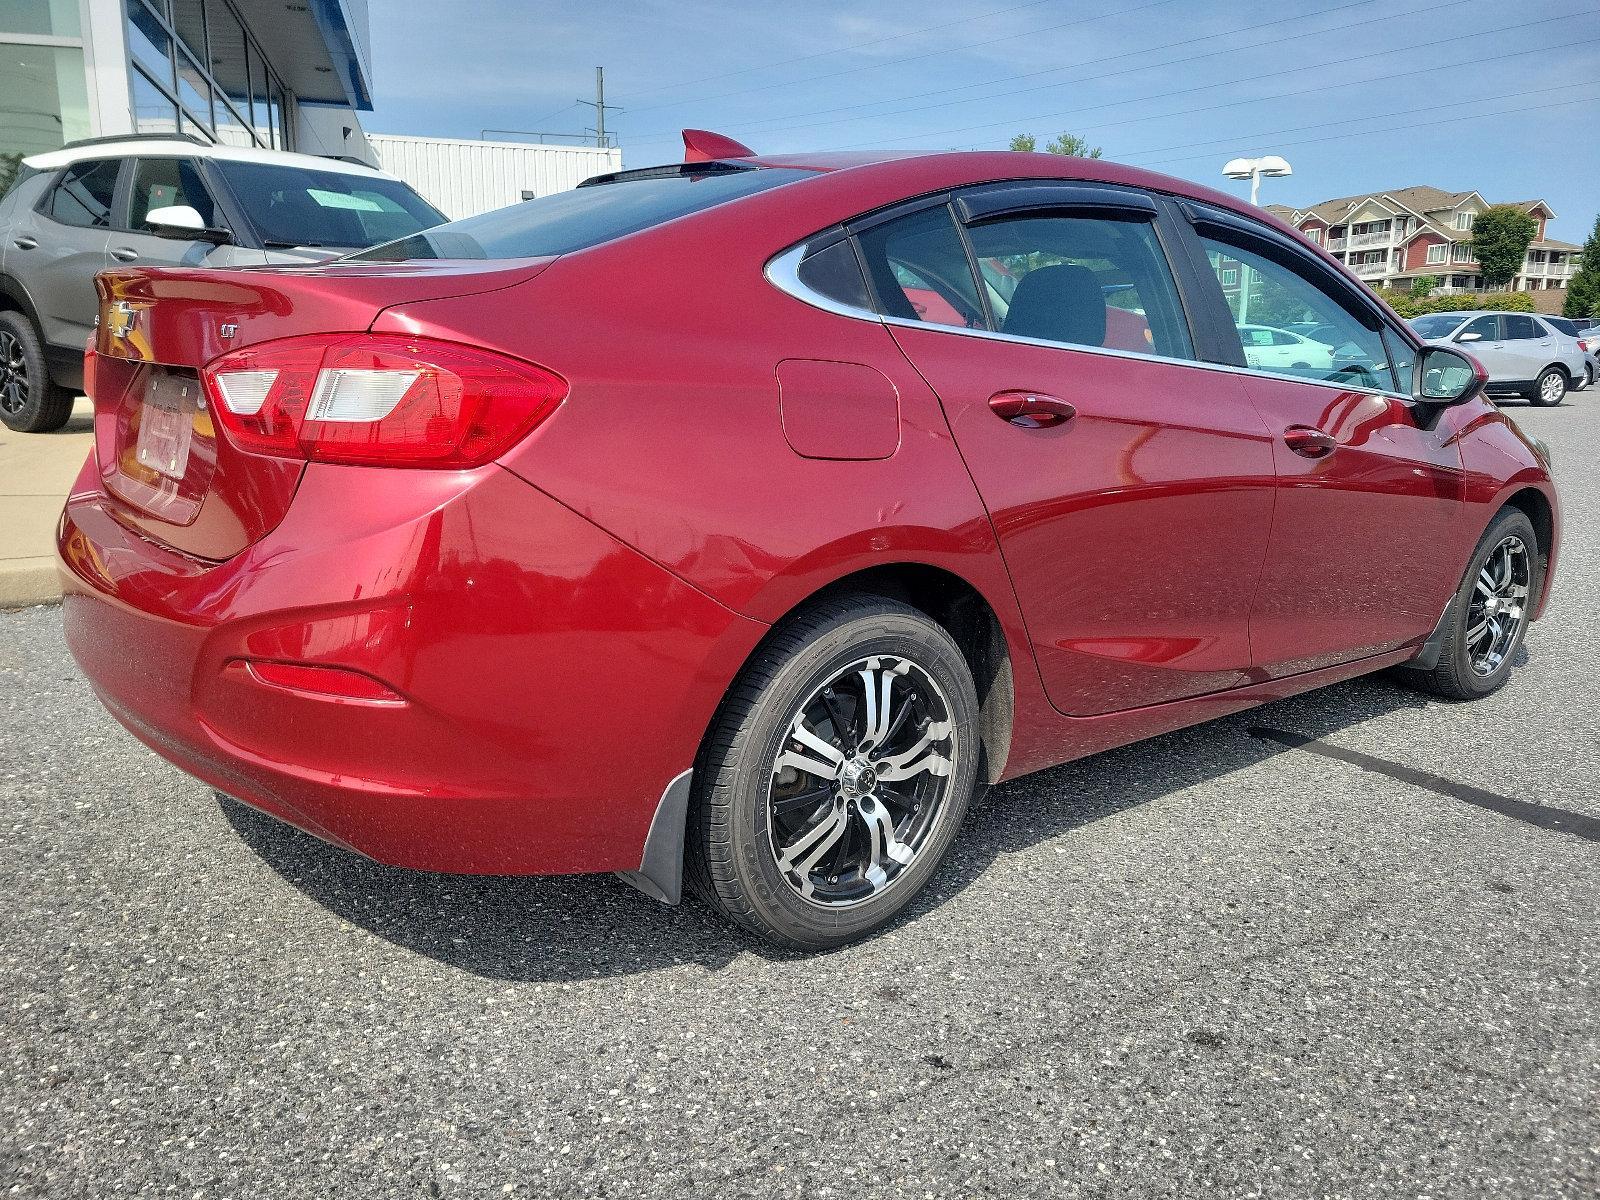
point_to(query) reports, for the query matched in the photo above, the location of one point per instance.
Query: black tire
(733, 859)
(1537, 394)
(29, 401)
(1455, 677)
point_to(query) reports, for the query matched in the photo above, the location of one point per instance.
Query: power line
(1296, 70)
(784, 62)
(1334, 137)
(1250, 28)
(909, 58)
(1131, 156)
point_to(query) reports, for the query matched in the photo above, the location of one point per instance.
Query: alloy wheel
(1551, 388)
(13, 374)
(1499, 605)
(861, 782)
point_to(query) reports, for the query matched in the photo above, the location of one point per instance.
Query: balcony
(1337, 243)
(1370, 270)
(1372, 239)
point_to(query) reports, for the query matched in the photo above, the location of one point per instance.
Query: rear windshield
(1437, 325)
(584, 217)
(293, 206)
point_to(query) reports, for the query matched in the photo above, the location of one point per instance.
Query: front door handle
(125, 253)
(1031, 410)
(25, 242)
(1309, 442)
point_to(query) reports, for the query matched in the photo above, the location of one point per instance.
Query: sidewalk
(36, 469)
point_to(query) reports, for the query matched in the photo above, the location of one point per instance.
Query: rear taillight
(378, 399)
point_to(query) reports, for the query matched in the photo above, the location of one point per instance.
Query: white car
(1270, 349)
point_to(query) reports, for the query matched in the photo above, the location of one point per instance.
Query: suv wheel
(1489, 615)
(1551, 388)
(836, 775)
(29, 401)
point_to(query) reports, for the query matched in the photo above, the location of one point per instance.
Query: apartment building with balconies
(1391, 238)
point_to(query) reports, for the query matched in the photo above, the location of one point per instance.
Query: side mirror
(1470, 337)
(1446, 377)
(184, 223)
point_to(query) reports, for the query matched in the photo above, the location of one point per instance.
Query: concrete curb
(28, 581)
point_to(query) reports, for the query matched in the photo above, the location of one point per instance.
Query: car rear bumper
(549, 681)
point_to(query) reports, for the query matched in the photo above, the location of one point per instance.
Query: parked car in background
(665, 526)
(161, 201)
(1278, 349)
(1524, 354)
(1587, 337)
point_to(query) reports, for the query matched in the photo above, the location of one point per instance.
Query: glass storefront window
(43, 102)
(50, 18)
(194, 93)
(148, 43)
(189, 23)
(153, 111)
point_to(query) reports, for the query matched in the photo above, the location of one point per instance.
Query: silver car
(161, 201)
(1588, 339)
(1524, 354)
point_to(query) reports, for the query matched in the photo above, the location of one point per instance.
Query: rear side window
(835, 273)
(84, 194)
(920, 271)
(165, 182)
(586, 216)
(1082, 281)
(1522, 329)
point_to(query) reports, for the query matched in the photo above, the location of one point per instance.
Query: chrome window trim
(782, 271)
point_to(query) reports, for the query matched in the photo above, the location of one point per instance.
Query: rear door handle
(1309, 442)
(1031, 410)
(25, 242)
(125, 253)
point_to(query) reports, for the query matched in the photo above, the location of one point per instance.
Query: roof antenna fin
(701, 145)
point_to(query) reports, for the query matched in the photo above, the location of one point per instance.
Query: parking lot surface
(1229, 962)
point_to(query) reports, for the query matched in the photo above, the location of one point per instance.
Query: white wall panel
(463, 177)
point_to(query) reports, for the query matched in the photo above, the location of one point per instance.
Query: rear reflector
(379, 400)
(334, 682)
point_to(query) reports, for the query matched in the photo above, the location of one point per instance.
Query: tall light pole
(1254, 169)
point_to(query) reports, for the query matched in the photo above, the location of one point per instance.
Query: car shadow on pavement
(568, 928)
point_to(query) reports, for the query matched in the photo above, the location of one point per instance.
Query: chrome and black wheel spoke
(860, 781)
(1498, 607)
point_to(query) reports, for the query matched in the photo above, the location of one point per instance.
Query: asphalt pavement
(1343, 946)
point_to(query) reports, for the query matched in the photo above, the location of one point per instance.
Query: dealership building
(272, 73)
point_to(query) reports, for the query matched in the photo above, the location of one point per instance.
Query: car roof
(176, 147)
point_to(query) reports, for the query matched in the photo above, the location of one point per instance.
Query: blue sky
(1459, 94)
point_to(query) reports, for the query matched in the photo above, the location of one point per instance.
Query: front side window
(1436, 325)
(84, 194)
(1484, 329)
(294, 206)
(1081, 281)
(165, 182)
(920, 271)
(1270, 295)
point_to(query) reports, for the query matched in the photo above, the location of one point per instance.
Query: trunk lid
(168, 471)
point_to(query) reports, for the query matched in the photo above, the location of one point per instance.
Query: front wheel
(836, 775)
(1551, 387)
(1489, 616)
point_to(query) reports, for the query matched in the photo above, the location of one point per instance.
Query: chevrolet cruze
(735, 521)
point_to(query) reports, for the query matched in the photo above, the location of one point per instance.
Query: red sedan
(737, 520)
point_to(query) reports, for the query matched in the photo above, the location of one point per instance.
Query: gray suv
(161, 201)
(1524, 355)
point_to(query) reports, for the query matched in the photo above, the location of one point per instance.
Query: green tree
(1583, 289)
(1422, 286)
(1069, 144)
(1500, 238)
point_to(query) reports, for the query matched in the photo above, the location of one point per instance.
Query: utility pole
(599, 105)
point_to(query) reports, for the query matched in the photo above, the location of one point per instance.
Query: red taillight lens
(379, 399)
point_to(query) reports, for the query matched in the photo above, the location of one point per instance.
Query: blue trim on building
(347, 55)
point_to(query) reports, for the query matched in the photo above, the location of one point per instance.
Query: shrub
(1407, 304)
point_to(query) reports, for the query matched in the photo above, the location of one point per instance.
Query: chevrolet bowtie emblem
(123, 318)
